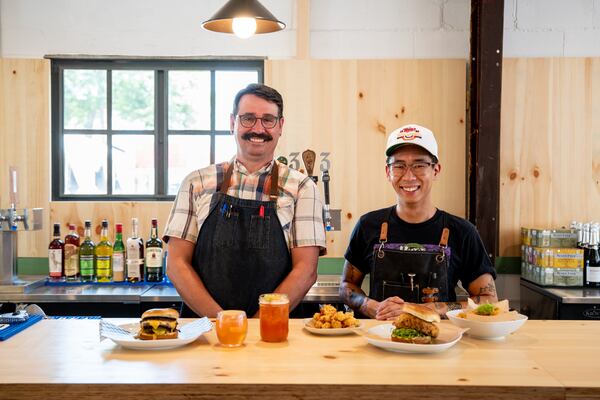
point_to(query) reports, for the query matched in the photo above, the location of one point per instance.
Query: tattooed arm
(483, 289)
(353, 295)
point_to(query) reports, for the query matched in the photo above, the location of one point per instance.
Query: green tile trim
(32, 266)
(327, 265)
(330, 265)
(508, 265)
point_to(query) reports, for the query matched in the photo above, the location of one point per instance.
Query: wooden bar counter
(64, 359)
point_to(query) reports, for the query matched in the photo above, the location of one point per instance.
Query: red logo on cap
(409, 133)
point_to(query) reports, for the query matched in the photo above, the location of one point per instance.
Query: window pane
(189, 100)
(186, 153)
(133, 164)
(85, 164)
(84, 99)
(225, 148)
(227, 84)
(133, 100)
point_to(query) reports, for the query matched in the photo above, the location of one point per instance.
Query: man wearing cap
(413, 251)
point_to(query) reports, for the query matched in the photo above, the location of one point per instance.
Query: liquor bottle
(592, 262)
(585, 242)
(118, 256)
(72, 255)
(56, 255)
(86, 255)
(154, 255)
(579, 228)
(103, 254)
(135, 254)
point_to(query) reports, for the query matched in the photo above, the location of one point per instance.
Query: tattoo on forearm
(352, 294)
(453, 306)
(363, 306)
(354, 297)
(488, 290)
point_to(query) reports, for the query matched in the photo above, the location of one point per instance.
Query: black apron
(241, 251)
(417, 273)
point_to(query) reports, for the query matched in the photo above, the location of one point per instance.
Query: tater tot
(328, 317)
(339, 316)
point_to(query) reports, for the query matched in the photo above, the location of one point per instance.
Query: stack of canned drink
(551, 257)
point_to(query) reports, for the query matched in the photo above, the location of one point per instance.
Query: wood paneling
(550, 145)
(349, 107)
(321, 114)
(24, 142)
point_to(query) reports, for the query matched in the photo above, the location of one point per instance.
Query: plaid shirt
(299, 206)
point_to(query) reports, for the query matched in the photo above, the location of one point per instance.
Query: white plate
(380, 336)
(187, 333)
(486, 330)
(328, 331)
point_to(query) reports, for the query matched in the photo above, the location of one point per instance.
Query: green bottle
(154, 255)
(104, 252)
(86, 255)
(118, 257)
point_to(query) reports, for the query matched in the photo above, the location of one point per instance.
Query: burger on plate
(158, 323)
(416, 325)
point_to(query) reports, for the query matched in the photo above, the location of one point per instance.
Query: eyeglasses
(268, 121)
(418, 169)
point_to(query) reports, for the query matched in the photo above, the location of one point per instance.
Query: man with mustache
(413, 251)
(248, 226)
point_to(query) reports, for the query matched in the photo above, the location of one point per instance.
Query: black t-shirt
(468, 259)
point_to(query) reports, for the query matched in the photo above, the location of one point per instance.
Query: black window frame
(161, 132)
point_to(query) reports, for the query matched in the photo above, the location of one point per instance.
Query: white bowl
(486, 330)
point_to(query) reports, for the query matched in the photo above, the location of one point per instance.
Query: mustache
(250, 135)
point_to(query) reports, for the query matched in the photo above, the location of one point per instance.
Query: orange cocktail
(232, 326)
(274, 317)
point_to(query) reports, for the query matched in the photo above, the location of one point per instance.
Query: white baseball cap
(412, 134)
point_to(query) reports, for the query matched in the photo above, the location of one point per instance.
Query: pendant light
(244, 18)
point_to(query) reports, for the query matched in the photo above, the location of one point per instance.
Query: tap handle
(326, 179)
(309, 156)
(12, 177)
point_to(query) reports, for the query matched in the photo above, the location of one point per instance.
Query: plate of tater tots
(329, 321)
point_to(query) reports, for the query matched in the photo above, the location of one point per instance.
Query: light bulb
(244, 27)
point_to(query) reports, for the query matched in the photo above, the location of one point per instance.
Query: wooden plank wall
(25, 142)
(550, 145)
(348, 107)
(345, 107)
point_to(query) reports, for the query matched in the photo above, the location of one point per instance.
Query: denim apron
(241, 251)
(417, 273)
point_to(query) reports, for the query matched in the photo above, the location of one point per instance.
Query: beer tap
(327, 214)
(9, 228)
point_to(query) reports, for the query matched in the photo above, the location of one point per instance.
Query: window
(133, 129)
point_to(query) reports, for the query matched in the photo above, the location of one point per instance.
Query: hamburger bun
(415, 340)
(161, 312)
(421, 312)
